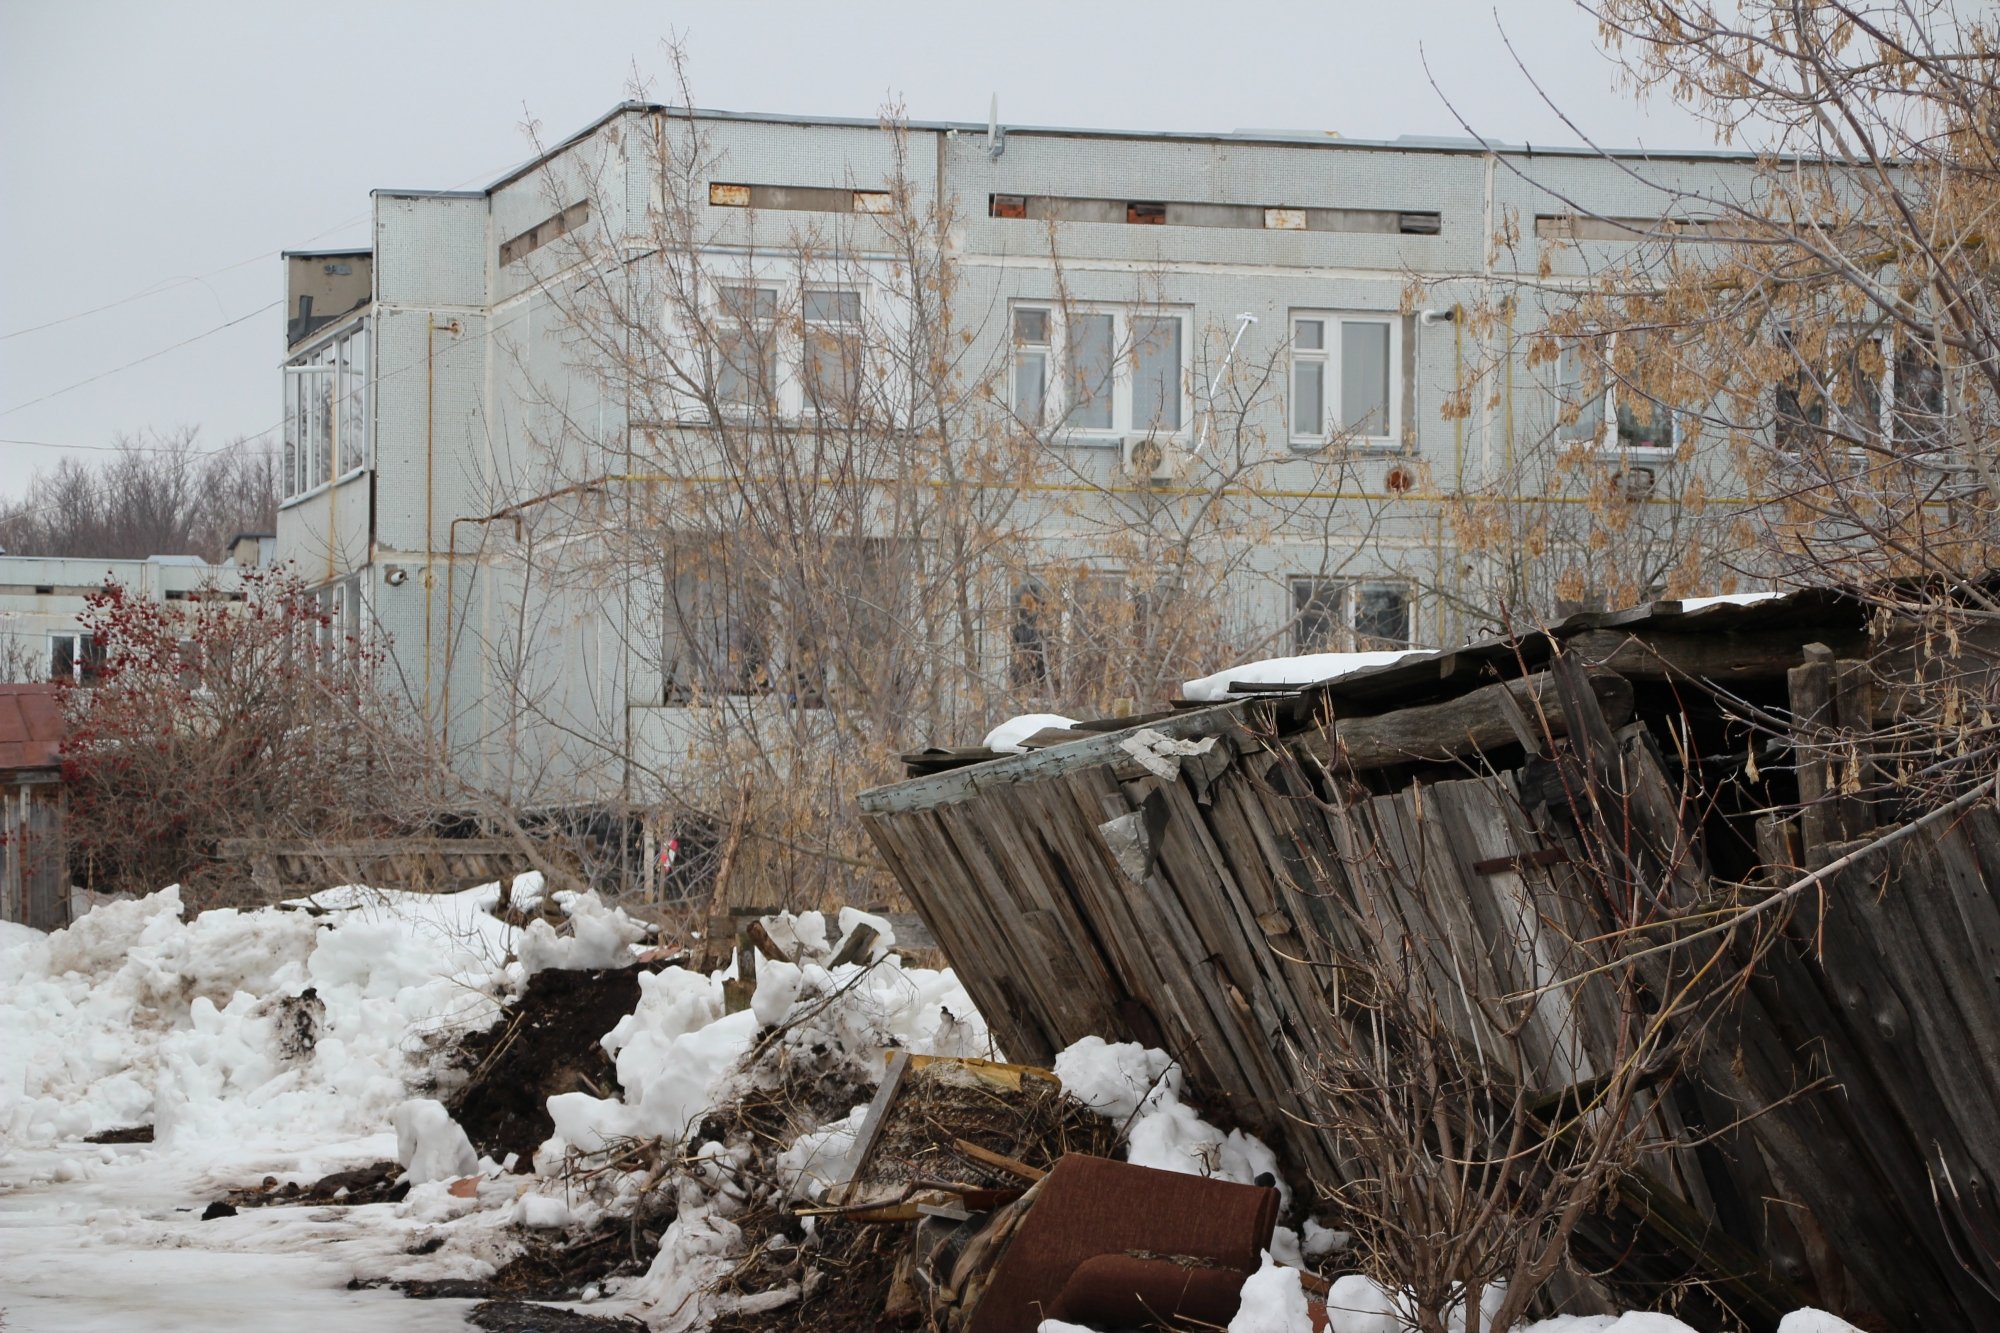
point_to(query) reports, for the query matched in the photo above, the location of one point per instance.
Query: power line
(139, 448)
(157, 289)
(57, 393)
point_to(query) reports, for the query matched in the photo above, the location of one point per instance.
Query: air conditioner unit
(1147, 457)
(1635, 483)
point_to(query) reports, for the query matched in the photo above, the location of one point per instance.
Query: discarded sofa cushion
(1131, 1291)
(1172, 1225)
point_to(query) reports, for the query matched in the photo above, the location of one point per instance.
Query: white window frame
(310, 465)
(1605, 439)
(1329, 357)
(1350, 590)
(1056, 352)
(788, 334)
(77, 652)
(1889, 431)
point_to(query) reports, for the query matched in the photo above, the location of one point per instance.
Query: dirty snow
(289, 1043)
(430, 1144)
(1007, 737)
(1309, 669)
(1272, 1301)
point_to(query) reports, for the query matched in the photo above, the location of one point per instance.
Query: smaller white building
(42, 601)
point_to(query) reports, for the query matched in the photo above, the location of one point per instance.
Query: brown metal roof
(31, 726)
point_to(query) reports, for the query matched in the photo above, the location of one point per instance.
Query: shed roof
(31, 727)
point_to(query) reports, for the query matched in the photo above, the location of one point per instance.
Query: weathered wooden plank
(1461, 728)
(1725, 657)
(1811, 686)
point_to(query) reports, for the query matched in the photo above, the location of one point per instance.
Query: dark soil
(545, 1043)
(522, 1317)
(136, 1134)
(555, 1267)
(847, 1291)
(374, 1183)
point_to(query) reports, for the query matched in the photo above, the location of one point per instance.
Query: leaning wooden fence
(1191, 883)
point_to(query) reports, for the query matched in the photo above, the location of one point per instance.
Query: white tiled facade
(43, 598)
(454, 335)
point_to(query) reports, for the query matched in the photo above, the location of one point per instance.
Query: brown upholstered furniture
(1117, 1245)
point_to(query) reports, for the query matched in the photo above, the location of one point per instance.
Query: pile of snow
(1310, 669)
(1141, 1089)
(430, 1144)
(235, 1024)
(299, 1041)
(1007, 737)
(677, 1050)
(598, 937)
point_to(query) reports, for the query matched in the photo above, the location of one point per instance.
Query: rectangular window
(1364, 379)
(832, 349)
(746, 334)
(1156, 374)
(716, 631)
(1092, 364)
(1318, 620)
(1919, 422)
(326, 413)
(1348, 615)
(76, 657)
(1028, 659)
(1124, 371)
(353, 430)
(1346, 379)
(1579, 396)
(1031, 364)
(288, 474)
(1381, 616)
(1592, 397)
(1308, 377)
(1834, 394)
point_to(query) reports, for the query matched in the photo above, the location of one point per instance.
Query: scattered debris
(132, 1134)
(377, 1182)
(1103, 1243)
(524, 1317)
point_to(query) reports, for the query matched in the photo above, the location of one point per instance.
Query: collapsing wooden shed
(1507, 821)
(34, 870)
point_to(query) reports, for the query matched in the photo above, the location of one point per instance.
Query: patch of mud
(524, 1317)
(133, 1134)
(373, 1183)
(547, 1042)
(555, 1268)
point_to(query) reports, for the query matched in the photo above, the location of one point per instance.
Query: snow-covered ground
(290, 1044)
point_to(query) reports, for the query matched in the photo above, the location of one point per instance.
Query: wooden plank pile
(1203, 881)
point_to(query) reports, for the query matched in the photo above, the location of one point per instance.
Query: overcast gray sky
(155, 158)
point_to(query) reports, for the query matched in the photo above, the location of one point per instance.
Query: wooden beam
(1486, 719)
(1722, 656)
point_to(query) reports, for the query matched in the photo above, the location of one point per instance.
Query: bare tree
(835, 528)
(160, 493)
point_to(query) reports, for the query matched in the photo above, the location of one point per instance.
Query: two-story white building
(1150, 297)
